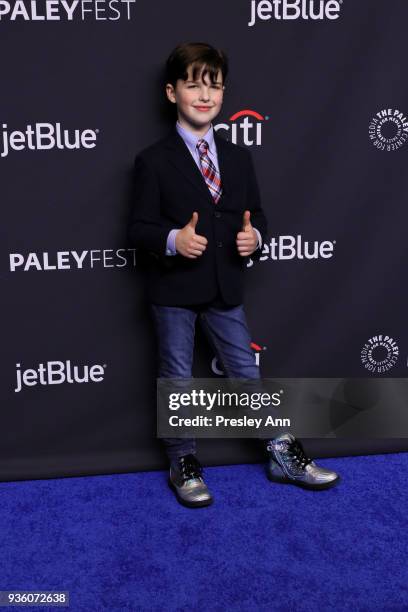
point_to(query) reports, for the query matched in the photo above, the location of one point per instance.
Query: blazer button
(219, 244)
(217, 214)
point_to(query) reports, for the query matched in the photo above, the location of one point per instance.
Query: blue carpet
(122, 542)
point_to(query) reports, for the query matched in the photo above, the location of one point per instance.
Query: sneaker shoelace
(295, 449)
(190, 467)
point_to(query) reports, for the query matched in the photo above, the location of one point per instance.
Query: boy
(197, 211)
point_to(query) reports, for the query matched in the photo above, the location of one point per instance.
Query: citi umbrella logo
(216, 367)
(244, 127)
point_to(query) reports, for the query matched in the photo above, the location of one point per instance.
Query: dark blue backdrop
(321, 103)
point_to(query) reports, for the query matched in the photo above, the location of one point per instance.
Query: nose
(204, 95)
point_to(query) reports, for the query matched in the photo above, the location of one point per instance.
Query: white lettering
(66, 260)
(45, 136)
(294, 247)
(293, 9)
(56, 373)
(56, 10)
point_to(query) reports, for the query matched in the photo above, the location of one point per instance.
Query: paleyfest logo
(66, 10)
(379, 354)
(388, 130)
(278, 10)
(72, 260)
(245, 127)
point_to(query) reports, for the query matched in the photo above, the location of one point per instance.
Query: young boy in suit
(197, 211)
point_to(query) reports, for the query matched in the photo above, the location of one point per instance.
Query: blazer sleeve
(147, 229)
(253, 204)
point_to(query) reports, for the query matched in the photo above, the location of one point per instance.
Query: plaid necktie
(212, 177)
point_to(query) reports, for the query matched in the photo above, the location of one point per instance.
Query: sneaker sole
(183, 502)
(305, 485)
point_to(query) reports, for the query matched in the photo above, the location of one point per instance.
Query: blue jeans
(227, 332)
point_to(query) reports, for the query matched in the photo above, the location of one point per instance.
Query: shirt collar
(191, 139)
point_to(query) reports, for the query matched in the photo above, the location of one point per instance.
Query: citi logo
(314, 10)
(245, 127)
(216, 368)
(56, 373)
(45, 136)
(65, 10)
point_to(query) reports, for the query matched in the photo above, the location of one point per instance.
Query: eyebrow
(197, 80)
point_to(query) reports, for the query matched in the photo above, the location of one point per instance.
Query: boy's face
(198, 102)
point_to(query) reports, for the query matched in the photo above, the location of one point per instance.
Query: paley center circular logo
(388, 129)
(379, 354)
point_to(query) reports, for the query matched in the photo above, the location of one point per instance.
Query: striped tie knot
(202, 146)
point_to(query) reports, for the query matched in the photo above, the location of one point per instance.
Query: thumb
(193, 221)
(246, 223)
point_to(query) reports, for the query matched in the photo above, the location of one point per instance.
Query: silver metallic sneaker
(288, 464)
(186, 481)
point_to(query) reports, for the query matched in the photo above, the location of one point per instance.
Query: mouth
(203, 109)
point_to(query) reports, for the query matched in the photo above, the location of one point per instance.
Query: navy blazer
(168, 188)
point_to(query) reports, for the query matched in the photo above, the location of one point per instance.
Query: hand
(188, 243)
(247, 239)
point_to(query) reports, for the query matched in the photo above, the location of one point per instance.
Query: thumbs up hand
(188, 243)
(247, 239)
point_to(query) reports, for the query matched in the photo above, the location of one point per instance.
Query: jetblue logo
(283, 248)
(314, 10)
(46, 136)
(56, 373)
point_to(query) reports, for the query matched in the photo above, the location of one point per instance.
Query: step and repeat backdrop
(317, 92)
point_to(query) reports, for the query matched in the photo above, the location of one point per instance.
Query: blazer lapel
(181, 158)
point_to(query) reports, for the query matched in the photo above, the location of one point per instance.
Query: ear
(170, 92)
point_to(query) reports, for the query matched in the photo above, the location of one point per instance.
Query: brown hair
(197, 54)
